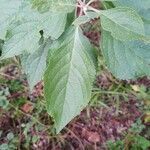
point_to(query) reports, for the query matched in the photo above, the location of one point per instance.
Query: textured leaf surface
(54, 5)
(145, 14)
(137, 4)
(69, 77)
(34, 64)
(123, 23)
(143, 8)
(24, 33)
(147, 27)
(8, 11)
(126, 60)
(85, 18)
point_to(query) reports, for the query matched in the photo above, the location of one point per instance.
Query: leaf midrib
(70, 66)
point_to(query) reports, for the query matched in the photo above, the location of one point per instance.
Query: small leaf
(3, 101)
(69, 77)
(27, 107)
(10, 136)
(4, 146)
(141, 142)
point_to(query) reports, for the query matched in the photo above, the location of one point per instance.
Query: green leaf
(142, 142)
(136, 4)
(126, 60)
(69, 77)
(70, 19)
(85, 18)
(34, 64)
(10, 136)
(143, 8)
(24, 34)
(123, 23)
(147, 27)
(4, 146)
(8, 11)
(1, 45)
(107, 4)
(23, 37)
(145, 14)
(3, 101)
(54, 5)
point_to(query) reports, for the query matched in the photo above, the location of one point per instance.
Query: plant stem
(80, 2)
(95, 91)
(93, 9)
(90, 2)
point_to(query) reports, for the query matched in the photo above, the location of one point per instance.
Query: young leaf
(69, 77)
(26, 31)
(8, 11)
(123, 23)
(54, 5)
(126, 60)
(34, 64)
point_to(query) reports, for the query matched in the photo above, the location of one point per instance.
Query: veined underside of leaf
(8, 12)
(145, 14)
(69, 77)
(123, 23)
(85, 18)
(142, 7)
(24, 30)
(136, 4)
(34, 64)
(54, 5)
(126, 60)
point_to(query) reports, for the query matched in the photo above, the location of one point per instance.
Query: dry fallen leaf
(147, 102)
(147, 117)
(136, 88)
(91, 136)
(27, 107)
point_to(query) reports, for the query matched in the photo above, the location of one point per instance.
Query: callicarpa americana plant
(47, 36)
